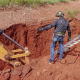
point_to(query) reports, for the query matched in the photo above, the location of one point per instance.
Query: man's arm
(47, 27)
(69, 33)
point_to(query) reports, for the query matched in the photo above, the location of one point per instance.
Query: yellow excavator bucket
(4, 51)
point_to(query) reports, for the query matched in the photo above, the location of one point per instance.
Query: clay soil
(21, 25)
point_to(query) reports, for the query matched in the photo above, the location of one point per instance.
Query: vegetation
(72, 13)
(28, 2)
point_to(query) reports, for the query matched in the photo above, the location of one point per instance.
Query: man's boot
(50, 61)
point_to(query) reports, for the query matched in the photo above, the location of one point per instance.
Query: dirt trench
(37, 42)
(28, 36)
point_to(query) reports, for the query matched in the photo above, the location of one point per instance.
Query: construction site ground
(21, 24)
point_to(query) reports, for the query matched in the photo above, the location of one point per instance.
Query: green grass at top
(28, 2)
(50, 1)
(18, 2)
(4, 2)
(54, 1)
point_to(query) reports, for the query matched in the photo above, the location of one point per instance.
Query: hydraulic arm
(9, 56)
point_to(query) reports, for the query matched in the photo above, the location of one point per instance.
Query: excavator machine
(14, 57)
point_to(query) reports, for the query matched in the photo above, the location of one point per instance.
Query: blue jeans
(57, 39)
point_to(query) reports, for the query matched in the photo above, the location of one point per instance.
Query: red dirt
(21, 25)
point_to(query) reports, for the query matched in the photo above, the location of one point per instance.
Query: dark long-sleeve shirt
(61, 25)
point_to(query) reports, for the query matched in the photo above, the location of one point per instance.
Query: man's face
(59, 17)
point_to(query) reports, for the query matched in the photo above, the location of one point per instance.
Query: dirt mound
(17, 73)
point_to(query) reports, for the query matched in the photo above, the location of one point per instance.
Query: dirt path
(21, 25)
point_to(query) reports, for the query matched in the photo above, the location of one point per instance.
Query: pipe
(14, 42)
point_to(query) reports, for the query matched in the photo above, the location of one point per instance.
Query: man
(61, 25)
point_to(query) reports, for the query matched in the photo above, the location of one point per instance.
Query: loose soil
(22, 24)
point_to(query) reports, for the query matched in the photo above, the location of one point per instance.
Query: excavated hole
(37, 42)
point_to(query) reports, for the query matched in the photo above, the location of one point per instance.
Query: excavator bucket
(4, 51)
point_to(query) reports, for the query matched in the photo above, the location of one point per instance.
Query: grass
(72, 14)
(4, 3)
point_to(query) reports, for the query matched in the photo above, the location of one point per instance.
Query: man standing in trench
(61, 25)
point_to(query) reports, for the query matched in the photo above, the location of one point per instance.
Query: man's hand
(69, 38)
(40, 29)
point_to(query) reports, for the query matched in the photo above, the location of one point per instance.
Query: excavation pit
(37, 42)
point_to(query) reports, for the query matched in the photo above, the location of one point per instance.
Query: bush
(72, 13)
